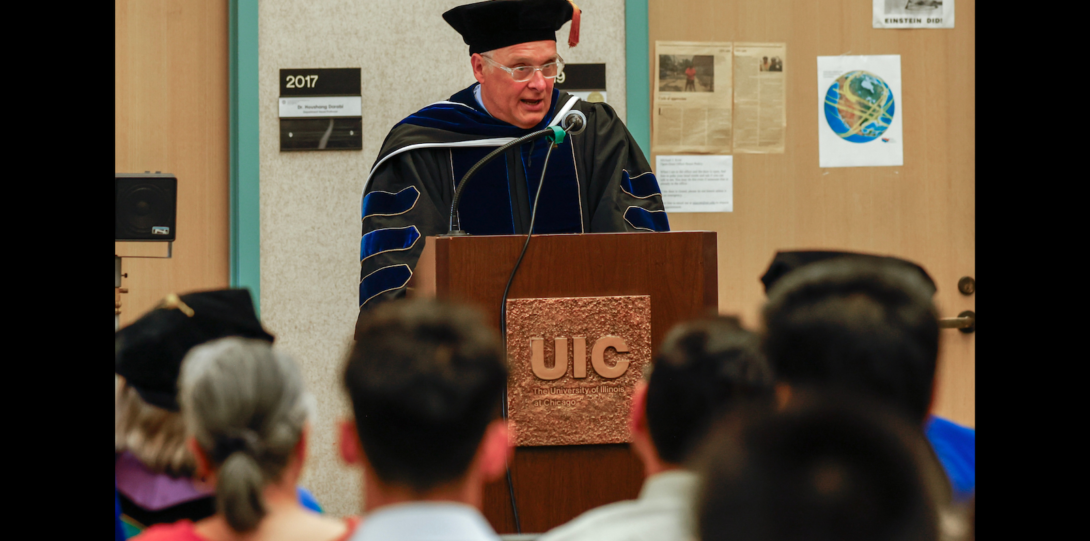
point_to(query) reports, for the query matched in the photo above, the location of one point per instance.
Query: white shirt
(663, 512)
(477, 94)
(425, 521)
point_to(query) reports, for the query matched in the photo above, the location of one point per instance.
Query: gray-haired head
(246, 405)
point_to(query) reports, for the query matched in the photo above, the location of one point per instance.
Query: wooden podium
(677, 270)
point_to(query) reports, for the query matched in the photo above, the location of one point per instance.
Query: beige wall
(310, 201)
(170, 115)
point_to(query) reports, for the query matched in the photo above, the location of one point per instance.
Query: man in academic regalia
(596, 181)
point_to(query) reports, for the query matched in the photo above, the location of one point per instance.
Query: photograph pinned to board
(692, 97)
(696, 183)
(859, 111)
(760, 97)
(913, 13)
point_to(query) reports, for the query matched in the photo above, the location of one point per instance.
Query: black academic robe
(596, 181)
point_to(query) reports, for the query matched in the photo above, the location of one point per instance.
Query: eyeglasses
(522, 74)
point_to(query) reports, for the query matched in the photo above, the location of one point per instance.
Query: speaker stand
(118, 290)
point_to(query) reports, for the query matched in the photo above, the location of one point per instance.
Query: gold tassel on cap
(172, 301)
(573, 34)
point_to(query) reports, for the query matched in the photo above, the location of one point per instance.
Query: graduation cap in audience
(149, 352)
(786, 262)
(495, 24)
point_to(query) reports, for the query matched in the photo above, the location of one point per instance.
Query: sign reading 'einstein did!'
(574, 365)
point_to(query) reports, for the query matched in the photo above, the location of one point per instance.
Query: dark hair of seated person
(862, 326)
(426, 378)
(704, 367)
(818, 470)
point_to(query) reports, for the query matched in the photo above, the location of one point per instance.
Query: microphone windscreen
(574, 122)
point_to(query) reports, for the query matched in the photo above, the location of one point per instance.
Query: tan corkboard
(923, 211)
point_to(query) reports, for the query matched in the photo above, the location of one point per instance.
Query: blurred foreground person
(426, 380)
(154, 470)
(246, 413)
(704, 367)
(818, 471)
(864, 324)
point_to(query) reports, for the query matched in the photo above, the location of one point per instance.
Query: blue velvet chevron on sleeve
(641, 186)
(383, 280)
(648, 220)
(390, 239)
(379, 203)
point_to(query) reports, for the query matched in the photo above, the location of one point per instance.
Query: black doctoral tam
(490, 25)
(149, 352)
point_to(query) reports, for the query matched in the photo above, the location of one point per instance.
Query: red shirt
(183, 530)
(690, 73)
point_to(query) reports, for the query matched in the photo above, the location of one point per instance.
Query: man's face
(522, 104)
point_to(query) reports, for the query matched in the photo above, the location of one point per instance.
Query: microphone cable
(503, 319)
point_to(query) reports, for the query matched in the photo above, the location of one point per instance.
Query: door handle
(965, 322)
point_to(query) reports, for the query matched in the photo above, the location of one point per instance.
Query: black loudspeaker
(145, 206)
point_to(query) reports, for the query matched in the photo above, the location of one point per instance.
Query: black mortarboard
(495, 24)
(149, 352)
(785, 262)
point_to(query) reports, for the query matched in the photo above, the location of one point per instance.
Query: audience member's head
(818, 470)
(789, 261)
(147, 356)
(426, 380)
(245, 407)
(704, 367)
(861, 325)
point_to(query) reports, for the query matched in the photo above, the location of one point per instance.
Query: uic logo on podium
(557, 393)
(579, 358)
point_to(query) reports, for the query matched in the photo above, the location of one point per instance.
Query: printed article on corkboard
(692, 97)
(719, 98)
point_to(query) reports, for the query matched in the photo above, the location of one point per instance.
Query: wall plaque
(574, 364)
(320, 109)
(588, 81)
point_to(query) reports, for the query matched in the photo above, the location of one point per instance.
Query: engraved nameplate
(574, 364)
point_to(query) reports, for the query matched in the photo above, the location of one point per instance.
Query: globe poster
(860, 111)
(859, 106)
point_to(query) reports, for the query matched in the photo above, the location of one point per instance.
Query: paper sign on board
(696, 183)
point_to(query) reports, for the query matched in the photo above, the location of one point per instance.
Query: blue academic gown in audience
(955, 445)
(119, 532)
